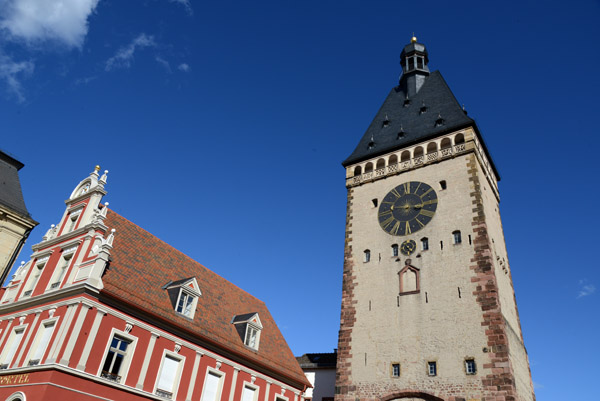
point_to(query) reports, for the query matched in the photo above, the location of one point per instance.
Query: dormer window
(185, 304)
(184, 296)
(248, 327)
(251, 337)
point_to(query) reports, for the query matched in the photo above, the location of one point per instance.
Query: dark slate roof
(10, 186)
(178, 282)
(320, 360)
(141, 264)
(243, 317)
(416, 126)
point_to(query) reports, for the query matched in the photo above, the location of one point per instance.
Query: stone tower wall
(446, 320)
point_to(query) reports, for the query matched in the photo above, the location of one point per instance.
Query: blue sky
(223, 126)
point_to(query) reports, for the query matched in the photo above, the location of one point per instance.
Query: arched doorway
(411, 396)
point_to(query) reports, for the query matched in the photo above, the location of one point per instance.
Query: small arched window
(431, 147)
(443, 185)
(446, 143)
(458, 139)
(367, 256)
(357, 170)
(395, 250)
(405, 156)
(424, 243)
(457, 237)
(369, 167)
(392, 160)
(380, 164)
(18, 396)
(418, 151)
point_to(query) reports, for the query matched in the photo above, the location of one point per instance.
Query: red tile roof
(142, 264)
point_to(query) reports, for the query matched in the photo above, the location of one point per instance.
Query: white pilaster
(194, 376)
(140, 383)
(74, 334)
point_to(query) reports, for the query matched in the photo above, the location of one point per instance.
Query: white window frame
(249, 329)
(219, 391)
(38, 337)
(33, 280)
(60, 271)
(7, 349)
(124, 369)
(177, 379)
(253, 387)
(188, 294)
(72, 221)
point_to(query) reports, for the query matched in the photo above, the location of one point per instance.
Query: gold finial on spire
(97, 168)
(413, 39)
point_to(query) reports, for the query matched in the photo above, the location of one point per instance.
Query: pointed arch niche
(409, 278)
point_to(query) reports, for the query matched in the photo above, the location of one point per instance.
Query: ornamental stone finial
(103, 178)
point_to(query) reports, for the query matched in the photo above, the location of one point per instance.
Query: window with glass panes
(432, 368)
(251, 337)
(185, 304)
(10, 351)
(114, 359)
(470, 366)
(396, 370)
(40, 348)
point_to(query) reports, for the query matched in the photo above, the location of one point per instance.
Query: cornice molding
(69, 236)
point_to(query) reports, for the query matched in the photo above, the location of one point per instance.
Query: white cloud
(85, 80)
(186, 4)
(586, 288)
(164, 63)
(11, 71)
(124, 55)
(537, 386)
(64, 21)
(184, 67)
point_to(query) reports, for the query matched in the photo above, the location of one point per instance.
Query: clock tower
(428, 305)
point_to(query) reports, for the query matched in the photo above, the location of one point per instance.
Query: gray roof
(11, 196)
(408, 124)
(320, 360)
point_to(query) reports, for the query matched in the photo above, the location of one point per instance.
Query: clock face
(407, 208)
(408, 247)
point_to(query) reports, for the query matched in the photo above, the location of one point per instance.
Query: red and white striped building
(104, 310)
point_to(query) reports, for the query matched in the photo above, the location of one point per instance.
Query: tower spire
(414, 60)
